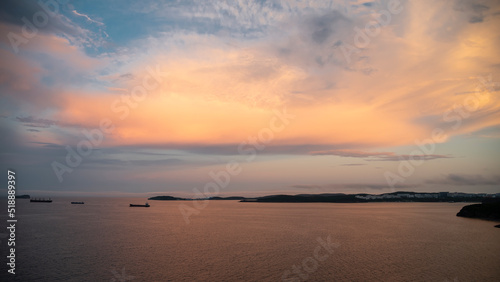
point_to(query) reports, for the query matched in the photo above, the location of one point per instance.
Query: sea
(106, 240)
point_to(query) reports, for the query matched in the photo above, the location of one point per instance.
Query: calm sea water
(105, 240)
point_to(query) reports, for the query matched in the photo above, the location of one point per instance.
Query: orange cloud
(217, 93)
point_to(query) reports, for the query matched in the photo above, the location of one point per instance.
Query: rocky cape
(489, 210)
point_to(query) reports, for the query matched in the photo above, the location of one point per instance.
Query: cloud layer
(360, 79)
(220, 89)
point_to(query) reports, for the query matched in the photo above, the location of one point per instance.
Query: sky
(120, 98)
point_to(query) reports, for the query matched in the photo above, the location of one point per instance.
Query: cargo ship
(145, 206)
(40, 200)
(77, 203)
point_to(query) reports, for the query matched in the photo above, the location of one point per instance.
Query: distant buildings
(440, 196)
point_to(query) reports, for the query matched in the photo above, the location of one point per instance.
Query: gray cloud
(305, 149)
(350, 153)
(232, 149)
(449, 23)
(395, 157)
(61, 23)
(466, 180)
(13, 12)
(324, 26)
(133, 162)
(474, 9)
(48, 145)
(378, 156)
(36, 122)
(351, 186)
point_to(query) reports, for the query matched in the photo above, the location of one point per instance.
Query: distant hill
(166, 198)
(23, 197)
(363, 198)
(305, 198)
(170, 198)
(227, 198)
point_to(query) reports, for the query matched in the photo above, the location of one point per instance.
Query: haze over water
(232, 241)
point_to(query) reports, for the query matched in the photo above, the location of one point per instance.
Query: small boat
(77, 203)
(145, 206)
(39, 200)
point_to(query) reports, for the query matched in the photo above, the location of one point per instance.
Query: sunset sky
(157, 97)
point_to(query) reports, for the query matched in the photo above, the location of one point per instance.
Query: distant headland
(487, 210)
(170, 198)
